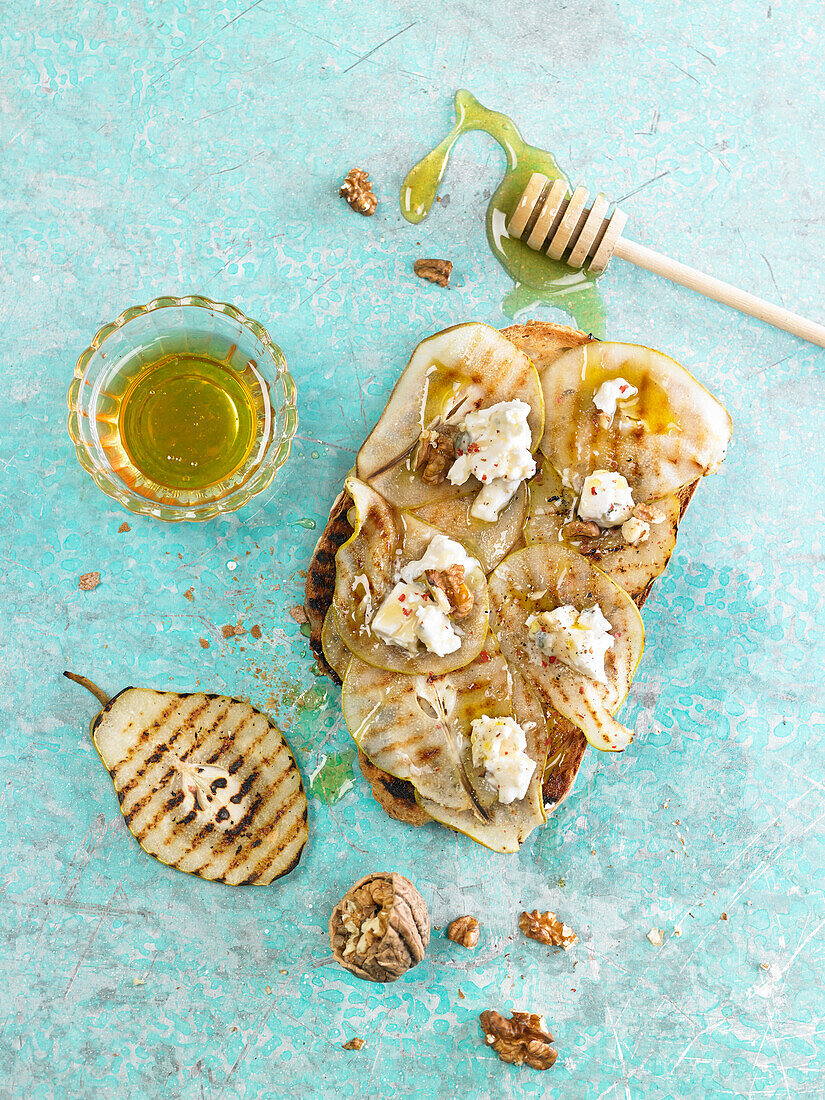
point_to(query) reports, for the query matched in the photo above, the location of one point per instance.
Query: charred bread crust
(567, 742)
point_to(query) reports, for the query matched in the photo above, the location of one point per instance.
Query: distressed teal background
(162, 147)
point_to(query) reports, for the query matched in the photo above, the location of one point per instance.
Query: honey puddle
(538, 279)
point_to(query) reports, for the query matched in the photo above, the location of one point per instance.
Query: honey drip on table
(538, 279)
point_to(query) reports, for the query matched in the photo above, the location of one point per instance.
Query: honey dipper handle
(721, 292)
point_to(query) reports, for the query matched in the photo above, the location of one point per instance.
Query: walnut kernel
(435, 271)
(521, 1040)
(464, 930)
(450, 581)
(547, 928)
(436, 453)
(648, 514)
(581, 529)
(357, 190)
(380, 929)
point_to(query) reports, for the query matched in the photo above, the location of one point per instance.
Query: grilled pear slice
(489, 542)
(383, 541)
(546, 576)
(205, 783)
(634, 567)
(467, 367)
(336, 653)
(670, 433)
(417, 728)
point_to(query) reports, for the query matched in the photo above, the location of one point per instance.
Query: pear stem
(85, 682)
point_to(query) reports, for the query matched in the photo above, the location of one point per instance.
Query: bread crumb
(88, 581)
(655, 936)
(299, 615)
(354, 1044)
(204, 643)
(230, 631)
(189, 594)
(123, 527)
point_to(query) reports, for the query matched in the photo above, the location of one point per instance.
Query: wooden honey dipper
(550, 220)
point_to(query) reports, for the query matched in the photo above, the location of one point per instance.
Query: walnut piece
(354, 1044)
(464, 930)
(380, 929)
(451, 582)
(521, 1040)
(648, 514)
(88, 581)
(581, 529)
(357, 190)
(547, 928)
(435, 271)
(436, 453)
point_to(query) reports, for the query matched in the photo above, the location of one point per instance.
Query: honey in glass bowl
(182, 409)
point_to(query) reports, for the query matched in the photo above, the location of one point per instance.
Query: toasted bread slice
(543, 341)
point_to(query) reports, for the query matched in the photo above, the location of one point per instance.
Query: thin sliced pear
(336, 653)
(547, 576)
(417, 728)
(489, 542)
(382, 543)
(633, 567)
(205, 783)
(671, 433)
(463, 368)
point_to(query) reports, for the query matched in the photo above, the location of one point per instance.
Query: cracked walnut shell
(380, 929)
(357, 190)
(547, 928)
(464, 930)
(521, 1040)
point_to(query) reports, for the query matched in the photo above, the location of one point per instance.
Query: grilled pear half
(671, 432)
(467, 367)
(547, 576)
(383, 541)
(418, 728)
(205, 783)
(489, 542)
(633, 567)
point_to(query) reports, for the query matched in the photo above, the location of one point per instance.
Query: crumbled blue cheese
(496, 451)
(409, 615)
(606, 499)
(441, 553)
(609, 393)
(579, 639)
(498, 745)
(413, 612)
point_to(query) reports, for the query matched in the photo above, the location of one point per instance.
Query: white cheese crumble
(441, 553)
(579, 639)
(498, 745)
(413, 612)
(635, 530)
(610, 393)
(497, 452)
(409, 615)
(606, 499)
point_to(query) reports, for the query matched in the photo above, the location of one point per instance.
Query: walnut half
(357, 190)
(380, 929)
(464, 930)
(435, 455)
(521, 1040)
(451, 582)
(547, 928)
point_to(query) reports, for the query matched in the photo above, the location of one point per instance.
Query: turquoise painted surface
(148, 148)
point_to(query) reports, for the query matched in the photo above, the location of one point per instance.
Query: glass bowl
(120, 353)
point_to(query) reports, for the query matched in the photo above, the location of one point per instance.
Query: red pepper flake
(484, 656)
(401, 598)
(406, 610)
(473, 449)
(592, 490)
